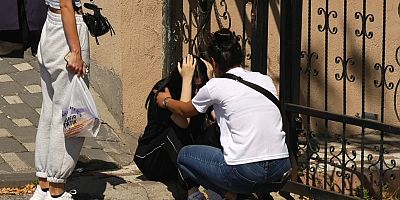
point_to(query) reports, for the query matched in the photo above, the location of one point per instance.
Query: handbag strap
(275, 100)
(256, 87)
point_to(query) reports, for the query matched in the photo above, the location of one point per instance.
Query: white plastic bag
(79, 113)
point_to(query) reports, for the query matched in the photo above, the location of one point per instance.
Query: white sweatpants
(56, 156)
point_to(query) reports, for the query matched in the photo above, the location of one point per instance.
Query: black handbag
(97, 24)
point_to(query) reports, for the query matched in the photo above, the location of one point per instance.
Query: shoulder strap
(271, 97)
(256, 87)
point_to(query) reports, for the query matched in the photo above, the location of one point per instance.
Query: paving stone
(106, 134)
(4, 167)
(23, 66)
(91, 143)
(114, 147)
(20, 111)
(123, 159)
(15, 162)
(10, 145)
(1, 112)
(24, 134)
(96, 154)
(34, 63)
(25, 56)
(10, 88)
(33, 88)
(5, 78)
(22, 122)
(6, 122)
(35, 121)
(33, 100)
(4, 133)
(86, 164)
(6, 68)
(3, 101)
(26, 77)
(13, 99)
(29, 146)
(28, 158)
(17, 180)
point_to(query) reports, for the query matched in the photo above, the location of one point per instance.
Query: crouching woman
(254, 152)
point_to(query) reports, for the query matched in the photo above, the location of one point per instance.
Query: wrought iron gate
(338, 83)
(342, 90)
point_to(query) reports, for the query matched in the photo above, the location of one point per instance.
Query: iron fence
(335, 59)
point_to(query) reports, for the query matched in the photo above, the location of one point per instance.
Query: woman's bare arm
(186, 71)
(75, 62)
(185, 109)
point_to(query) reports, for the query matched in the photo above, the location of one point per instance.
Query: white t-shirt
(251, 125)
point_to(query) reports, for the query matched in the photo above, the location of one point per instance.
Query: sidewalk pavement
(105, 169)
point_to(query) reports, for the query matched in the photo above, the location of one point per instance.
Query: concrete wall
(125, 66)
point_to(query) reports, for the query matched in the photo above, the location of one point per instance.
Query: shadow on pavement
(89, 180)
(176, 189)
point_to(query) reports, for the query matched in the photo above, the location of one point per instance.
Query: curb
(17, 179)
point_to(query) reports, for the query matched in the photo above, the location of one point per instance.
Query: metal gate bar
(343, 118)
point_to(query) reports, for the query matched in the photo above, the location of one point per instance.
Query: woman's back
(251, 125)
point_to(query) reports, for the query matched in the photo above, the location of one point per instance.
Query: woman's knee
(182, 154)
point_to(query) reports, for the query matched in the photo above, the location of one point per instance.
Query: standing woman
(64, 33)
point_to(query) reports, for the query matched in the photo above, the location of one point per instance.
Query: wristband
(165, 101)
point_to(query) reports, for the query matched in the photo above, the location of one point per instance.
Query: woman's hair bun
(225, 39)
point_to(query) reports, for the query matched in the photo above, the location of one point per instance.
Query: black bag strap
(256, 87)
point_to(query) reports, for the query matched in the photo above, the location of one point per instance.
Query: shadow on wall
(225, 10)
(341, 70)
(353, 88)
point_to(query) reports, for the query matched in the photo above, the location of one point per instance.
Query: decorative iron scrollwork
(398, 83)
(310, 57)
(181, 31)
(344, 74)
(344, 164)
(375, 165)
(383, 82)
(222, 16)
(364, 19)
(327, 15)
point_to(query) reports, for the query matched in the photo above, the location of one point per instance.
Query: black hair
(225, 49)
(174, 81)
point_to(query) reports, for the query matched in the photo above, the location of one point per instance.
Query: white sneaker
(38, 194)
(65, 196)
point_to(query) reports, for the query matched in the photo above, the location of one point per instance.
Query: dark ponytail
(225, 49)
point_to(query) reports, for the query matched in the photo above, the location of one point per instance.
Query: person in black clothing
(166, 133)
(20, 26)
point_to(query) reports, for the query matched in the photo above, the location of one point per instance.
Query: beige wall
(134, 57)
(354, 51)
(235, 9)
